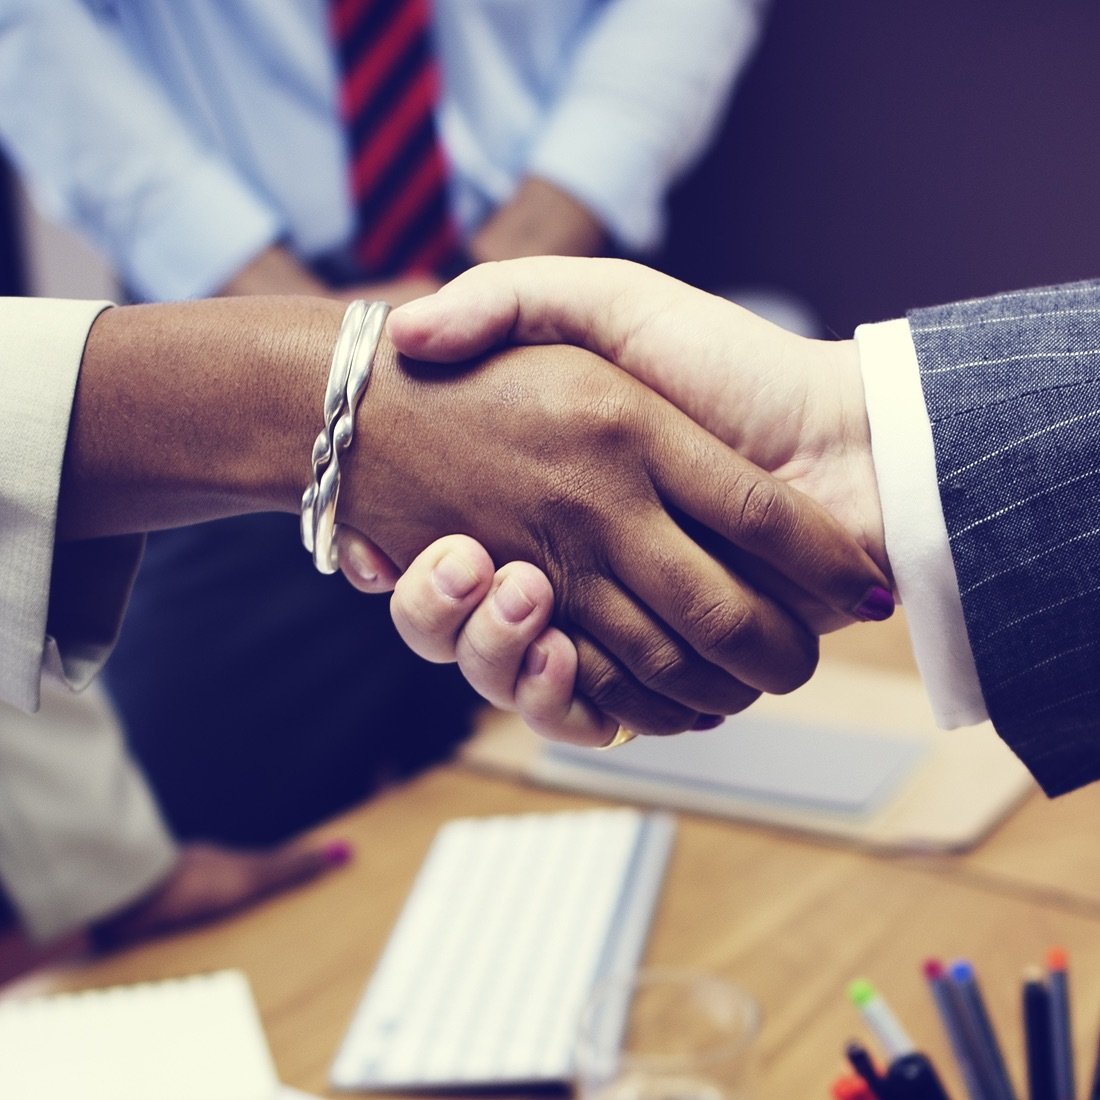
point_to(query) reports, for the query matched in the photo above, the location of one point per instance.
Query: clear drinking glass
(667, 1035)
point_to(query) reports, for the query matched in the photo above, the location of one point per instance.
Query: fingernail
(876, 605)
(337, 853)
(535, 660)
(453, 576)
(423, 306)
(708, 721)
(512, 602)
(411, 309)
(359, 562)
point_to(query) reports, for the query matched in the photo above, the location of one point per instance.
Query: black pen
(912, 1077)
(1040, 1059)
(1094, 1091)
(862, 1063)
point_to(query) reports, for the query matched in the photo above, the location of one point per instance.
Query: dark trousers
(261, 697)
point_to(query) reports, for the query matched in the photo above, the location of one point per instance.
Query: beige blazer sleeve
(41, 343)
(80, 834)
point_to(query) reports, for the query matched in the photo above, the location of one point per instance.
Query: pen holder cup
(667, 1035)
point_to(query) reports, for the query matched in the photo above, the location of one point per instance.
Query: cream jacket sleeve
(79, 833)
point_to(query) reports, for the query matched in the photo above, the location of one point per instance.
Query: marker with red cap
(851, 1087)
(939, 985)
(1061, 1039)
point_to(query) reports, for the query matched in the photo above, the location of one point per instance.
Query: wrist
(374, 462)
(855, 455)
(195, 410)
(540, 219)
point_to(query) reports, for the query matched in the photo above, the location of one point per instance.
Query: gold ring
(622, 735)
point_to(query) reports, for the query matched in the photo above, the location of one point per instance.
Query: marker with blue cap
(986, 1050)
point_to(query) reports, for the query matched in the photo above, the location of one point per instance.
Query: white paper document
(181, 1039)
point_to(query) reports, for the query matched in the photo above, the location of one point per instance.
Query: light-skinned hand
(792, 405)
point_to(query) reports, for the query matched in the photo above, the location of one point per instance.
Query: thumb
(363, 564)
(590, 303)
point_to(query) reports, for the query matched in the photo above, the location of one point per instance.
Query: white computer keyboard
(510, 922)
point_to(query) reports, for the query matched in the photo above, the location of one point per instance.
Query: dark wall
(11, 266)
(881, 155)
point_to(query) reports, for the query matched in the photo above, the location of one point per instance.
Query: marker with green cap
(910, 1075)
(883, 1023)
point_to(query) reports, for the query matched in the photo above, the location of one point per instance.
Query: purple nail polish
(877, 604)
(708, 721)
(337, 853)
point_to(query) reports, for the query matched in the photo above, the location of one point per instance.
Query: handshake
(680, 496)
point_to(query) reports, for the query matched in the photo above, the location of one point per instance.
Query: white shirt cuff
(916, 534)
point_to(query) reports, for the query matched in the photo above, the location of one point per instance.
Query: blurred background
(877, 156)
(881, 156)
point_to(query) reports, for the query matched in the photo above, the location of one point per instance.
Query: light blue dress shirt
(184, 136)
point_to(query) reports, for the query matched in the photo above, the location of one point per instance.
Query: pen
(912, 1077)
(878, 1017)
(1061, 1038)
(1094, 1090)
(1040, 1063)
(943, 995)
(987, 1052)
(863, 1064)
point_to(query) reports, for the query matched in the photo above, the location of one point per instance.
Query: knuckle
(664, 667)
(736, 636)
(484, 670)
(617, 694)
(580, 594)
(745, 700)
(725, 628)
(424, 626)
(602, 682)
(611, 415)
(760, 507)
(798, 669)
(668, 669)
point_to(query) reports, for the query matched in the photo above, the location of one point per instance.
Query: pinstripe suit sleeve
(1012, 387)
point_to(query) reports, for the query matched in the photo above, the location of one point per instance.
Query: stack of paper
(183, 1039)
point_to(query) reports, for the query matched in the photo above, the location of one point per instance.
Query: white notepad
(511, 921)
(181, 1039)
(854, 755)
(814, 767)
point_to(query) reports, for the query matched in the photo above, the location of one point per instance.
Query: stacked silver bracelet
(352, 361)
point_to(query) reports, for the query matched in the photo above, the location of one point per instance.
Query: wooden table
(792, 919)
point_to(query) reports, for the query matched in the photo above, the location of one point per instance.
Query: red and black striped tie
(398, 173)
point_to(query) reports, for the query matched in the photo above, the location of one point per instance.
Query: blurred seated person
(249, 148)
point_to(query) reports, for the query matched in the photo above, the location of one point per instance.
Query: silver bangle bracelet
(352, 362)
